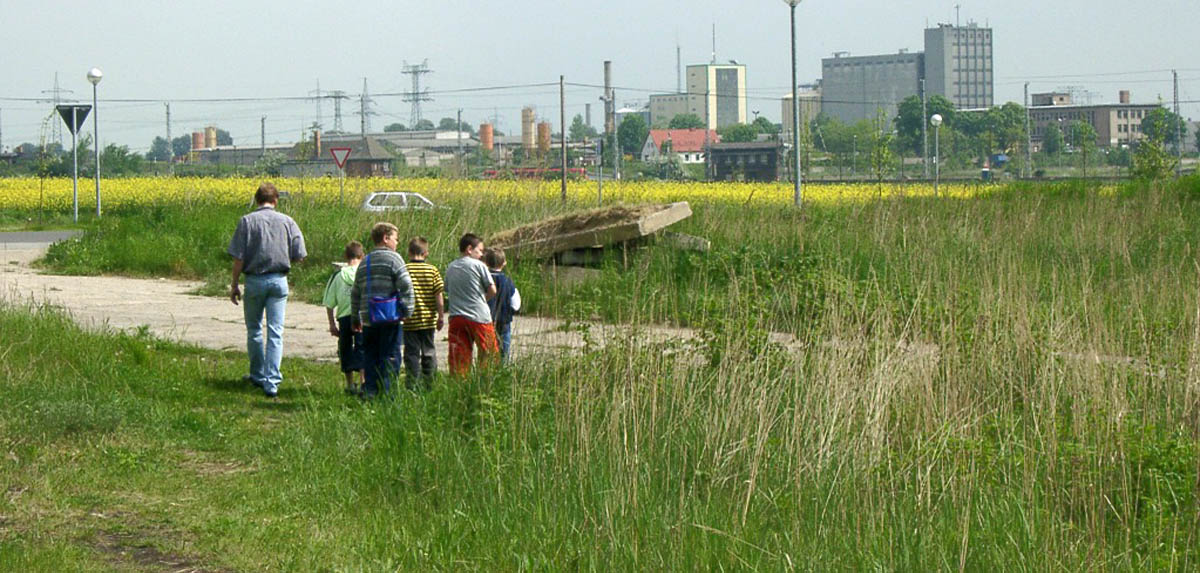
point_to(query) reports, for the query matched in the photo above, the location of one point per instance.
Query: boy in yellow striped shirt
(428, 316)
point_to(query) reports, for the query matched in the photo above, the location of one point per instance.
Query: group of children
(478, 296)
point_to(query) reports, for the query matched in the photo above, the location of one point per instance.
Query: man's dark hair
(494, 258)
(418, 247)
(267, 193)
(468, 241)
(381, 230)
(354, 250)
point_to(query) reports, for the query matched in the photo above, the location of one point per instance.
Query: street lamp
(936, 121)
(796, 196)
(94, 75)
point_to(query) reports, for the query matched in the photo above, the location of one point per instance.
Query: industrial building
(716, 93)
(956, 64)
(810, 107)
(856, 88)
(1116, 124)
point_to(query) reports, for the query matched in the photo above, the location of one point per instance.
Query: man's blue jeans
(265, 293)
(381, 358)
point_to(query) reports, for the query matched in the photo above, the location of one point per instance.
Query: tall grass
(1007, 382)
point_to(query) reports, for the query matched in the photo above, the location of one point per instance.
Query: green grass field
(1006, 382)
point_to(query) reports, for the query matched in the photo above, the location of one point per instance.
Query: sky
(269, 55)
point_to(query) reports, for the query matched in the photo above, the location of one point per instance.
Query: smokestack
(316, 144)
(210, 137)
(609, 105)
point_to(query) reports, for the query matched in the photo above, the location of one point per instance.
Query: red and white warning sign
(340, 155)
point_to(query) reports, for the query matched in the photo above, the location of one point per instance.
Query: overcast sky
(175, 51)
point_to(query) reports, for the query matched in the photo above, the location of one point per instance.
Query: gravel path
(168, 310)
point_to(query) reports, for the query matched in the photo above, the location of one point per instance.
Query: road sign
(73, 115)
(340, 155)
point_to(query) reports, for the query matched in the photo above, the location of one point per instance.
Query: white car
(396, 201)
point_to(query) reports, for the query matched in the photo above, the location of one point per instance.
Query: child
(383, 275)
(337, 303)
(469, 286)
(507, 301)
(428, 316)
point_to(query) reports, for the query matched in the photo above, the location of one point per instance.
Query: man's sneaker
(271, 394)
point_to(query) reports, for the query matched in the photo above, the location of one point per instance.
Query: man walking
(264, 246)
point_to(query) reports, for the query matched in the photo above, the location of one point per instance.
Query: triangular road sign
(340, 155)
(73, 115)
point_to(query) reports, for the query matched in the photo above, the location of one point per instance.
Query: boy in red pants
(469, 286)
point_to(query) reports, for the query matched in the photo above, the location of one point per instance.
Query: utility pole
(610, 121)
(924, 132)
(562, 125)
(416, 96)
(170, 150)
(262, 145)
(364, 102)
(56, 99)
(338, 96)
(458, 135)
(1028, 137)
(1178, 129)
(1, 129)
(317, 98)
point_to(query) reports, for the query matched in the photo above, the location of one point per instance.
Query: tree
(1052, 141)
(424, 125)
(160, 150)
(1198, 137)
(181, 145)
(223, 137)
(394, 127)
(881, 148)
(909, 120)
(764, 125)
(1163, 124)
(580, 131)
(738, 132)
(632, 133)
(451, 124)
(1084, 137)
(1151, 160)
(118, 160)
(686, 121)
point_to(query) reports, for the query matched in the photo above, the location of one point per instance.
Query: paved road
(170, 310)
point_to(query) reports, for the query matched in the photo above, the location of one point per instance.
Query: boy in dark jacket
(506, 302)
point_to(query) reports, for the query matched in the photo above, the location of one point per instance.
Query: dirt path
(167, 310)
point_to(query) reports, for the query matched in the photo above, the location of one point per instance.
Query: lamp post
(94, 75)
(936, 121)
(796, 194)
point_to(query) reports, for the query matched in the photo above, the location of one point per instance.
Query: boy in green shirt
(338, 310)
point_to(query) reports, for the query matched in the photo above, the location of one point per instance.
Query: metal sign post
(73, 116)
(340, 155)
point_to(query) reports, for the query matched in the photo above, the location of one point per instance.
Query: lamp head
(936, 119)
(792, 3)
(95, 75)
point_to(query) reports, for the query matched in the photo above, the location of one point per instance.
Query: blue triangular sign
(73, 115)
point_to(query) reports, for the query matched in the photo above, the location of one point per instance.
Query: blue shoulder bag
(383, 309)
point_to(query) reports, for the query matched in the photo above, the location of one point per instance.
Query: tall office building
(958, 64)
(715, 92)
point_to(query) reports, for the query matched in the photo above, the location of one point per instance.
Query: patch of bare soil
(199, 463)
(572, 223)
(133, 550)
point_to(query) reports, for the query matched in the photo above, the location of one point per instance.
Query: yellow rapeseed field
(55, 194)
